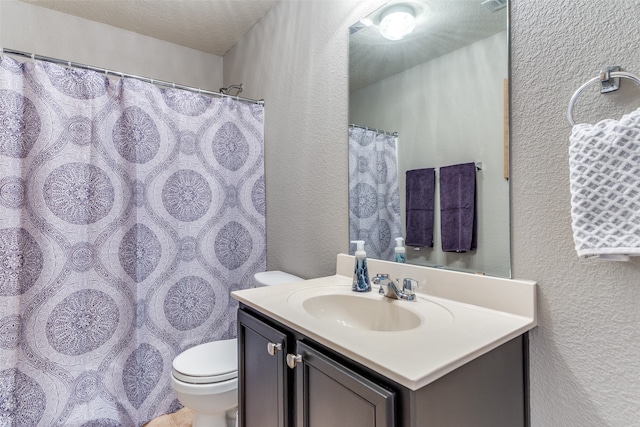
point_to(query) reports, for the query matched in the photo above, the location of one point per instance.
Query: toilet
(204, 378)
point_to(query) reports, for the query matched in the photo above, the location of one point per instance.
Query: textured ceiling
(212, 26)
(442, 26)
(215, 26)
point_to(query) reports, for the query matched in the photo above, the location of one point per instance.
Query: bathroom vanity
(315, 354)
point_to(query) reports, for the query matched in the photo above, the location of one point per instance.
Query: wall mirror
(433, 98)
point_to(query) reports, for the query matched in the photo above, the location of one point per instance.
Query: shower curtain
(127, 215)
(374, 202)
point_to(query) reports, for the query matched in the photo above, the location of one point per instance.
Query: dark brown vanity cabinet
(263, 377)
(329, 394)
(325, 389)
(286, 381)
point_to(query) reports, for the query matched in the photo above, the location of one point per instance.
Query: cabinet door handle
(292, 359)
(273, 347)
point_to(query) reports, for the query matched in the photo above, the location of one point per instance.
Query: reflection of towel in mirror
(458, 219)
(420, 187)
(604, 162)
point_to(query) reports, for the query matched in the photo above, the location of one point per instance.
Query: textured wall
(585, 355)
(585, 363)
(296, 59)
(46, 32)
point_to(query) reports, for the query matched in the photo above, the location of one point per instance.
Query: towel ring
(602, 77)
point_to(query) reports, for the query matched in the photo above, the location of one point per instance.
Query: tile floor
(181, 418)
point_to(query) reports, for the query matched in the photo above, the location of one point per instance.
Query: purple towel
(458, 219)
(420, 187)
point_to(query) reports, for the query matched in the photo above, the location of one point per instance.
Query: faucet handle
(378, 277)
(409, 286)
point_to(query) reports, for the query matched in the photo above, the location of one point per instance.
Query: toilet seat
(207, 363)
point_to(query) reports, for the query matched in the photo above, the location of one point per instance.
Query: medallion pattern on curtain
(374, 201)
(127, 215)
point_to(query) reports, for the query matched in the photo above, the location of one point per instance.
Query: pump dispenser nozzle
(359, 247)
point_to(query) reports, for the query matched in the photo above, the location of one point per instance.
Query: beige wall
(35, 29)
(585, 363)
(585, 355)
(296, 59)
(446, 115)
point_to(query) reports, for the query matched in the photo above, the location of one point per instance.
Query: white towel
(604, 162)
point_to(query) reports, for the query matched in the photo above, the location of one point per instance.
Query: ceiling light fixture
(397, 22)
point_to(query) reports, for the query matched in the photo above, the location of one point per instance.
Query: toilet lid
(274, 277)
(207, 363)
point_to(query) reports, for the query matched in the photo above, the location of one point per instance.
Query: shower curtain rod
(71, 64)
(375, 130)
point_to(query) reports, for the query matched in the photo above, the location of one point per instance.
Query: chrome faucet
(389, 289)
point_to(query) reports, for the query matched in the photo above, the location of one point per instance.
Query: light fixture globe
(396, 22)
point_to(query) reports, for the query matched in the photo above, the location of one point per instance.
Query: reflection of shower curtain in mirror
(374, 203)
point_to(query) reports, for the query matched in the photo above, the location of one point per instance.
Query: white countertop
(464, 316)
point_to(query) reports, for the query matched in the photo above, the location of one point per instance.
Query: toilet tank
(275, 277)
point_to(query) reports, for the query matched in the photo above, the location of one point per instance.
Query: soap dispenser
(360, 271)
(399, 254)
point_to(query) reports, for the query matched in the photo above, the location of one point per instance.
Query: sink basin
(369, 311)
(358, 312)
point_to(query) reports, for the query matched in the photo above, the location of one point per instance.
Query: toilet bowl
(204, 378)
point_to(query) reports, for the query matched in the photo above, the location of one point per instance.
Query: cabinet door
(330, 395)
(263, 378)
